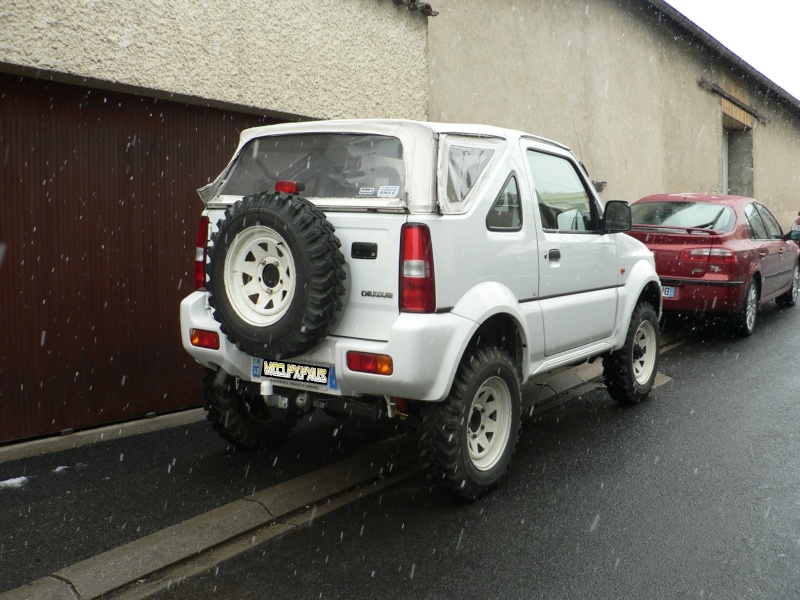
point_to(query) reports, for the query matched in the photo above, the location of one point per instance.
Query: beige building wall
(310, 58)
(776, 161)
(611, 80)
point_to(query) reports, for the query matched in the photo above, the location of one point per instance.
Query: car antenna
(577, 139)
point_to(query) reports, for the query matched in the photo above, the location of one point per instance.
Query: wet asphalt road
(692, 494)
(80, 502)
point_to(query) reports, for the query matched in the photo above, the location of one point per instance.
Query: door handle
(763, 253)
(554, 255)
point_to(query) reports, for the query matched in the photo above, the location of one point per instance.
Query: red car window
(757, 227)
(773, 229)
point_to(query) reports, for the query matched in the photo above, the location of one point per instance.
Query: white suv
(411, 269)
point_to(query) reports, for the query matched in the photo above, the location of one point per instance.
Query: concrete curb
(100, 434)
(133, 562)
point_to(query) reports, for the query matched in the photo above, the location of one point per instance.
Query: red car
(718, 254)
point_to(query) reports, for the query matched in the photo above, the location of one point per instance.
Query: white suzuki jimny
(411, 269)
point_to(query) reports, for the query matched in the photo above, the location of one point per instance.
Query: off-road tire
(790, 297)
(629, 372)
(744, 321)
(236, 420)
(275, 275)
(456, 449)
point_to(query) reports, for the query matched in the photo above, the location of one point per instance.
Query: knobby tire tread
(441, 443)
(618, 366)
(323, 287)
(230, 419)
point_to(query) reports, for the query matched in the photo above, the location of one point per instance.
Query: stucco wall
(610, 80)
(312, 58)
(776, 161)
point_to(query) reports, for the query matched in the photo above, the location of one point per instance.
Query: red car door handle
(763, 253)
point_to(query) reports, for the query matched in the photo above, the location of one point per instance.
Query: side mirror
(793, 236)
(617, 216)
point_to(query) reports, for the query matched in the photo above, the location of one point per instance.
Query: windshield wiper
(711, 222)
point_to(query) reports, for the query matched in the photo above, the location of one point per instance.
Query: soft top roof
(417, 138)
(389, 127)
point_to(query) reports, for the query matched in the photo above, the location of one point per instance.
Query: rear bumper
(425, 349)
(692, 295)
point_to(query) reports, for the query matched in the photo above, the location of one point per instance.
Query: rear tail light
(204, 339)
(364, 362)
(200, 254)
(417, 282)
(711, 255)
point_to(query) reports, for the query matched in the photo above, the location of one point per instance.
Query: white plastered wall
(310, 58)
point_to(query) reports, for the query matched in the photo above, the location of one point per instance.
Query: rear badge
(371, 294)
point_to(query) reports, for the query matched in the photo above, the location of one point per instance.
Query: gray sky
(764, 33)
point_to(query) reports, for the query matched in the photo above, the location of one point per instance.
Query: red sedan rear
(715, 253)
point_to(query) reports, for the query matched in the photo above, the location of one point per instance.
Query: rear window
(699, 215)
(328, 165)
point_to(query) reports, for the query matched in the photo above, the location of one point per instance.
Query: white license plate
(668, 291)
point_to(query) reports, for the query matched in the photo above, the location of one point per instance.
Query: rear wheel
(629, 372)
(468, 439)
(744, 321)
(243, 420)
(790, 297)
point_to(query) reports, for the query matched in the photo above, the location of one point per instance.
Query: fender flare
(639, 278)
(490, 299)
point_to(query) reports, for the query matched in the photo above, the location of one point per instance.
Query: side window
(506, 213)
(756, 224)
(464, 166)
(773, 229)
(564, 203)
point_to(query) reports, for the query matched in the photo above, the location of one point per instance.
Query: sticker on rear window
(366, 191)
(388, 191)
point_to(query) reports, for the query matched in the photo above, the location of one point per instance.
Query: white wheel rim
(259, 275)
(489, 423)
(752, 307)
(644, 352)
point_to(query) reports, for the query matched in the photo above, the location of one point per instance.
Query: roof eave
(725, 53)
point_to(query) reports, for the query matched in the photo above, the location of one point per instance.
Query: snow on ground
(13, 483)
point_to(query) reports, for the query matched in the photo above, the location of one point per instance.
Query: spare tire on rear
(275, 275)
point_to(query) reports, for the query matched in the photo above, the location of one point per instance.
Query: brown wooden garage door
(98, 217)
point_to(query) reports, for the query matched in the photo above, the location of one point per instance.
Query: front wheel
(468, 439)
(629, 372)
(790, 297)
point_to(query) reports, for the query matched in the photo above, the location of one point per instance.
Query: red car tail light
(364, 362)
(200, 254)
(204, 339)
(712, 255)
(417, 281)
